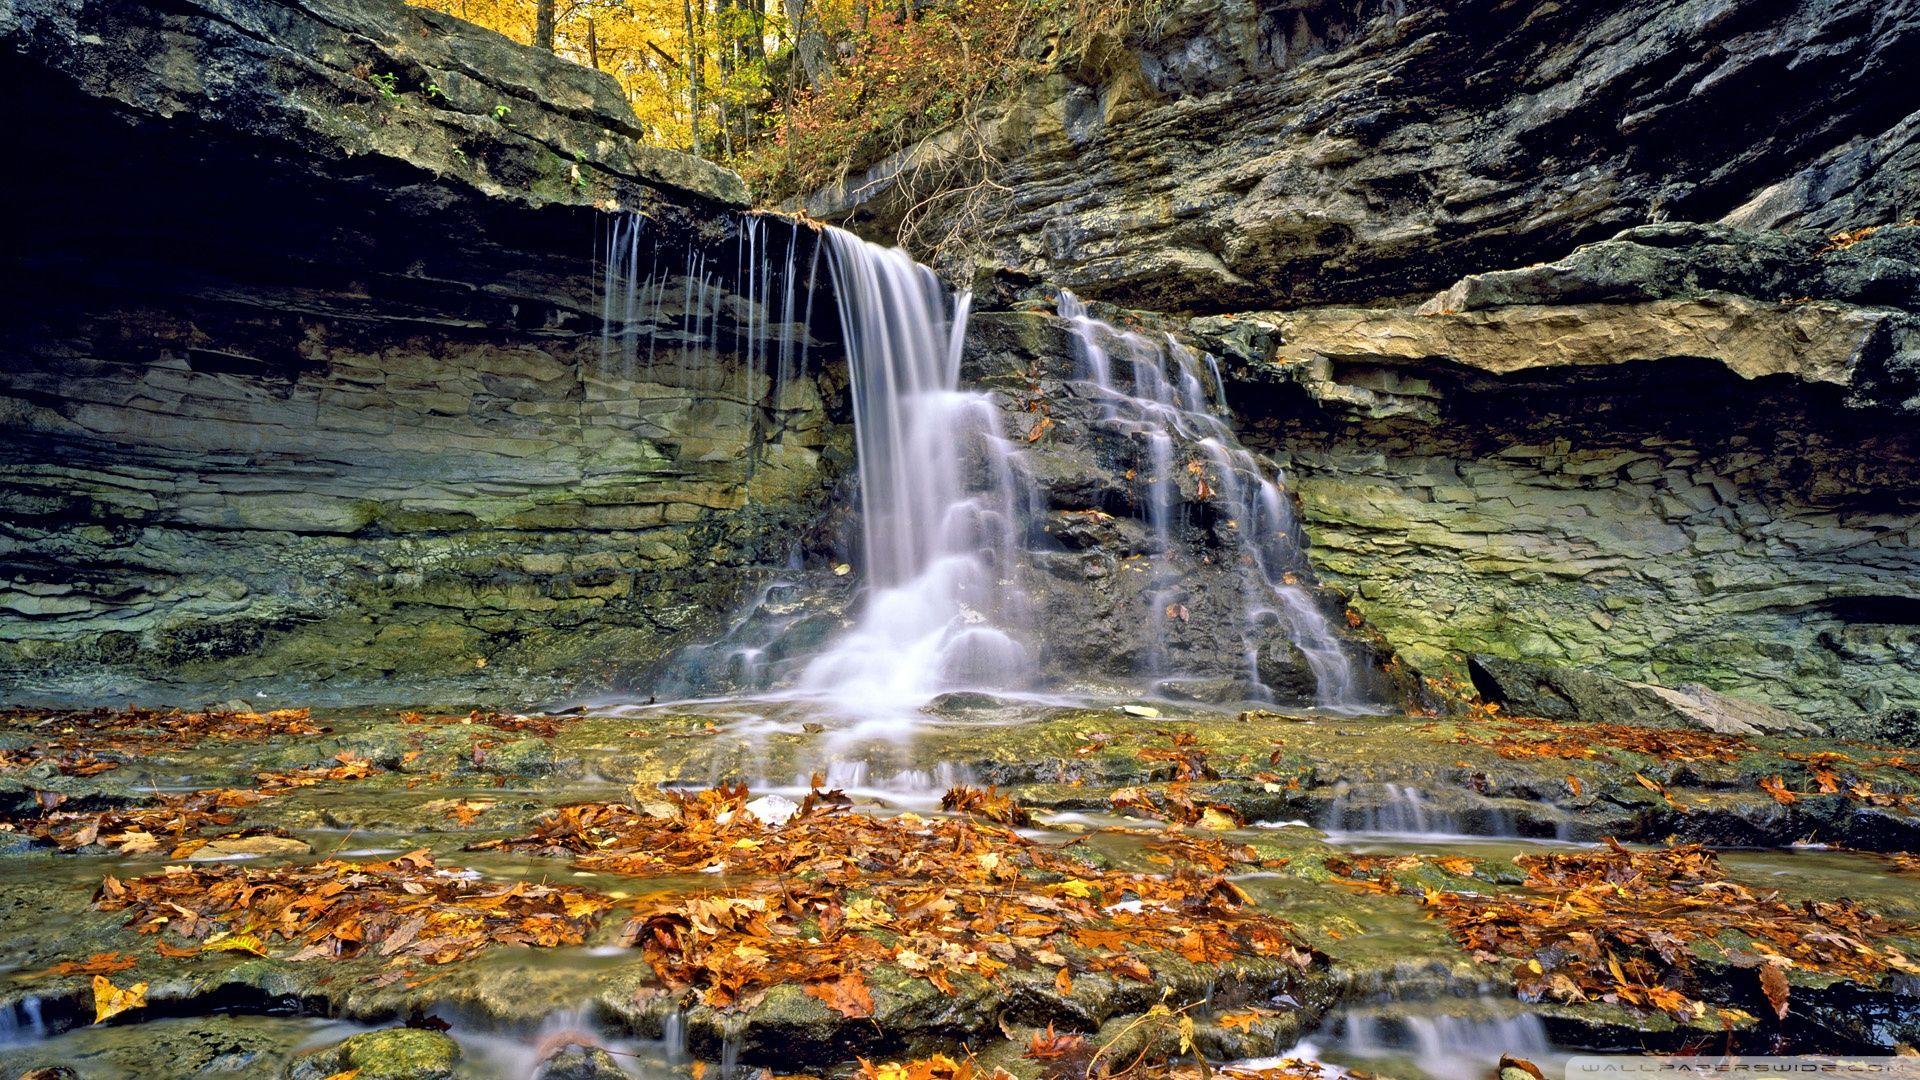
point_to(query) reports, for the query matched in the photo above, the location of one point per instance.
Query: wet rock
(393, 1054)
(522, 757)
(579, 1063)
(250, 846)
(43, 784)
(159, 1049)
(448, 490)
(963, 701)
(1223, 691)
(1560, 693)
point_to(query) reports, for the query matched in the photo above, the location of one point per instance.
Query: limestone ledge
(467, 106)
(1814, 341)
(409, 511)
(1654, 561)
(1227, 156)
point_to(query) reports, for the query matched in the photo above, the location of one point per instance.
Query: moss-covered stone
(394, 1054)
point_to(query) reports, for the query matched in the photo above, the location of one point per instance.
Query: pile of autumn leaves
(1648, 930)
(405, 908)
(86, 742)
(1822, 769)
(823, 898)
(93, 741)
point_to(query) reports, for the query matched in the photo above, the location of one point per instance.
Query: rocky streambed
(474, 893)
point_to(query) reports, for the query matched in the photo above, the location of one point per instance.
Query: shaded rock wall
(1239, 154)
(1645, 487)
(303, 377)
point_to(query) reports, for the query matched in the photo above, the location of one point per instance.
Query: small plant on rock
(387, 83)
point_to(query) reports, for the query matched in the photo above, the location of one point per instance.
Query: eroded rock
(1529, 689)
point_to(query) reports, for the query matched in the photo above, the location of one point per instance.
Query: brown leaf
(1773, 983)
(1508, 1061)
(847, 995)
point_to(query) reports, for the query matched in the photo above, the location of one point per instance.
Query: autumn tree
(795, 92)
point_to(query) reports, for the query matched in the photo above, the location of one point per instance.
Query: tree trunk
(593, 47)
(693, 74)
(543, 25)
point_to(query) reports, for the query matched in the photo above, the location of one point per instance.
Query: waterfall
(945, 496)
(673, 305)
(942, 503)
(1168, 405)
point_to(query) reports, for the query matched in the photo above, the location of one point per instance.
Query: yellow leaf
(247, 943)
(1213, 818)
(110, 1001)
(1076, 887)
(1186, 1034)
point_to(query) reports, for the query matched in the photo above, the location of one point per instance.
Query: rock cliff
(1638, 459)
(1586, 333)
(305, 379)
(1239, 154)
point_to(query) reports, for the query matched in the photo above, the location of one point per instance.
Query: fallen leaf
(110, 1001)
(847, 995)
(1773, 983)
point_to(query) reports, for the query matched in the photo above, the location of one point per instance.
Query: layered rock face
(1679, 456)
(1618, 462)
(306, 381)
(1233, 154)
(1152, 558)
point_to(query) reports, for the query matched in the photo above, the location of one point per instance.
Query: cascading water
(1443, 1046)
(947, 506)
(942, 503)
(1406, 812)
(1167, 405)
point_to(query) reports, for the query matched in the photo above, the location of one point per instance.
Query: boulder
(577, 1062)
(393, 1054)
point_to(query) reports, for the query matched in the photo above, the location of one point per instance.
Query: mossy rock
(393, 1054)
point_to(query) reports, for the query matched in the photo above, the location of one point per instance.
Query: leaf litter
(823, 897)
(406, 908)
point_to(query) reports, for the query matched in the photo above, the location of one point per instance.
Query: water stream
(942, 502)
(1166, 402)
(946, 500)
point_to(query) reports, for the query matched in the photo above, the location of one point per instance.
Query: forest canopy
(793, 92)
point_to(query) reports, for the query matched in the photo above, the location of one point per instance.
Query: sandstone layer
(1233, 154)
(1683, 455)
(305, 379)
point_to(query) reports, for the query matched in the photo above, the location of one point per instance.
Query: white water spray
(942, 503)
(946, 503)
(1168, 405)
